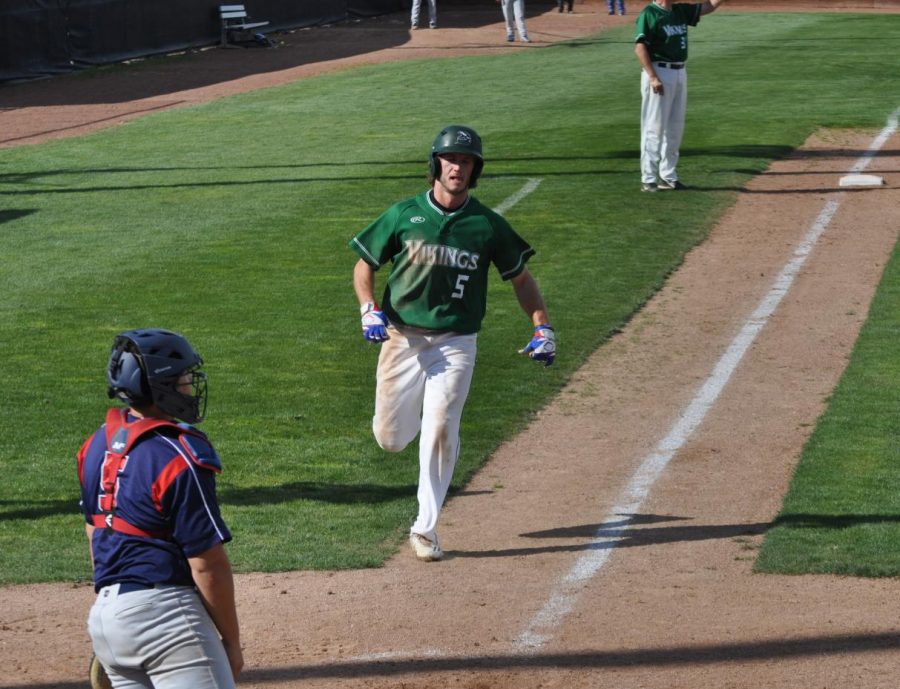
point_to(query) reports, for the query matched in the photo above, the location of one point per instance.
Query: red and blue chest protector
(148, 485)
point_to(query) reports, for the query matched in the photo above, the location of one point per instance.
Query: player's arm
(529, 295)
(212, 575)
(643, 56)
(710, 6)
(89, 530)
(542, 346)
(374, 322)
(364, 282)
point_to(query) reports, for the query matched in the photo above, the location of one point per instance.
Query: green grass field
(244, 249)
(842, 512)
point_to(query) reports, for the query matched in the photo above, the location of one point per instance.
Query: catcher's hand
(374, 323)
(542, 346)
(98, 676)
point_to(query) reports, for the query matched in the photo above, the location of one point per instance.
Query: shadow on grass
(739, 151)
(833, 521)
(38, 509)
(337, 493)
(762, 151)
(14, 214)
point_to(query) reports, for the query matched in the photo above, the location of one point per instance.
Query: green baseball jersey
(439, 277)
(666, 32)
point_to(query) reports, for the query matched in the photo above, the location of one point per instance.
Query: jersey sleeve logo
(417, 219)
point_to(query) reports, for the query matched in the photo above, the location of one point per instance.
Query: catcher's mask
(455, 138)
(145, 367)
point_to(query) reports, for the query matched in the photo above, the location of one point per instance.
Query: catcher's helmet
(145, 367)
(456, 138)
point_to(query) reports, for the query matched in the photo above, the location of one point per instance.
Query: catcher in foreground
(99, 678)
(164, 615)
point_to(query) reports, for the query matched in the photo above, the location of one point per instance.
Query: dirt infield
(553, 578)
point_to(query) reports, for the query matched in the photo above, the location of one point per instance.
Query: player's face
(185, 383)
(456, 171)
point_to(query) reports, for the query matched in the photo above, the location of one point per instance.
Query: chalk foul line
(563, 598)
(529, 187)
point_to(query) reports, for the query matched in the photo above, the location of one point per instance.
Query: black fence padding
(32, 39)
(41, 38)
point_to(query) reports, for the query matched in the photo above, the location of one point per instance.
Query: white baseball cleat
(424, 548)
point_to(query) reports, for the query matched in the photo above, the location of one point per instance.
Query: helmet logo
(463, 138)
(161, 369)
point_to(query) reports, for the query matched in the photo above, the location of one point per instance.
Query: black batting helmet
(457, 138)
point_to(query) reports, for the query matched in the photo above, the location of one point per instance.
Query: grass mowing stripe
(244, 250)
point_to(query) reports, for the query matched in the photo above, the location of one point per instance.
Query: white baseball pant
(662, 124)
(432, 12)
(159, 638)
(514, 10)
(422, 384)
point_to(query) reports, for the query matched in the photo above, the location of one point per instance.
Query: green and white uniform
(665, 33)
(440, 261)
(435, 301)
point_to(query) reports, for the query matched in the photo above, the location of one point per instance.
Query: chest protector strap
(121, 435)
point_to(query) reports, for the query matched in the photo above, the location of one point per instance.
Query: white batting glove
(542, 346)
(374, 323)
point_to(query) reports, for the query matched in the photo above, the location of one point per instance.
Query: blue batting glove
(374, 323)
(542, 346)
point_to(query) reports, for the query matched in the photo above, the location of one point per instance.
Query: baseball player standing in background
(514, 16)
(165, 592)
(441, 244)
(661, 46)
(432, 14)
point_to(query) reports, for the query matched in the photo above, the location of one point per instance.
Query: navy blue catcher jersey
(165, 487)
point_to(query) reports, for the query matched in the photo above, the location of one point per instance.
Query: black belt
(130, 586)
(671, 65)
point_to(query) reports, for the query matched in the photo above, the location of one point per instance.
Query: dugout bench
(236, 25)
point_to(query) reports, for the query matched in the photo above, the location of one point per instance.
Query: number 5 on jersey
(460, 286)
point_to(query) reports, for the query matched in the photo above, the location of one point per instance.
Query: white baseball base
(861, 181)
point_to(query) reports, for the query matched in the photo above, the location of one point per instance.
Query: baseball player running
(661, 46)
(441, 244)
(165, 613)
